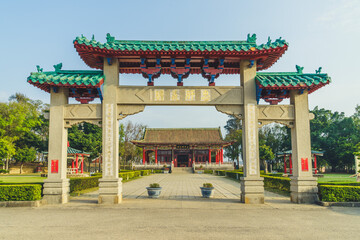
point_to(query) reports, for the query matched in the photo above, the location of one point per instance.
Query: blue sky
(319, 33)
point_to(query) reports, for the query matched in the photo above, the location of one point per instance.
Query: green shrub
(124, 176)
(26, 192)
(208, 171)
(154, 185)
(145, 172)
(4, 171)
(340, 183)
(207, 185)
(275, 174)
(157, 171)
(78, 184)
(331, 193)
(280, 183)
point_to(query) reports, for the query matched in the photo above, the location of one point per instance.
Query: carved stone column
(303, 185)
(110, 185)
(56, 186)
(252, 185)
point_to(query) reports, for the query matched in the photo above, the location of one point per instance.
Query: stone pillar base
(110, 191)
(303, 190)
(56, 191)
(252, 190)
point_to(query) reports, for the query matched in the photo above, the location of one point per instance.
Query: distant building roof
(185, 136)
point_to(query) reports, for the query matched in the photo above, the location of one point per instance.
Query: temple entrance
(183, 161)
(152, 59)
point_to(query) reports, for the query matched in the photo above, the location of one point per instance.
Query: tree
(233, 133)
(7, 150)
(128, 132)
(24, 155)
(265, 153)
(336, 135)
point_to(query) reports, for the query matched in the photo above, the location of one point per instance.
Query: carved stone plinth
(303, 190)
(252, 190)
(56, 191)
(110, 191)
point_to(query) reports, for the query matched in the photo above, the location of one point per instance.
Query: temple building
(182, 146)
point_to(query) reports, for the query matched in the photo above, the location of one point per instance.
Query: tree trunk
(7, 164)
(21, 167)
(266, 167)
(238, 162)
(271, 166)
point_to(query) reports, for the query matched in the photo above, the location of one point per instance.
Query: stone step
(182, 170)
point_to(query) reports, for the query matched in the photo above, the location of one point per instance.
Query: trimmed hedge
(332, 193)
(340, 183)
(208, 171)
(280, 183)
(78, 184)
(26, 192)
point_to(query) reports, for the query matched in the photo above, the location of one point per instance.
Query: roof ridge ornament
(251, 39)
(39, 69)
(109, 38)
(299, 69)
(318, 71)
(58, 67)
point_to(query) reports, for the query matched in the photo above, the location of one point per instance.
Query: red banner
(54, 166)
(304, 164)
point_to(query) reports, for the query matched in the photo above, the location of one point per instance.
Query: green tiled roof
(62, 77)
(288, 79)
(125, 45)
(71, 150)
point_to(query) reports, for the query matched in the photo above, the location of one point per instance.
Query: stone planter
(154, 192)
(206, 192)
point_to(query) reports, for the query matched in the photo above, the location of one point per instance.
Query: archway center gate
(180, 59)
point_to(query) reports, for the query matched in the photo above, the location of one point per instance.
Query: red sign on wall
(54, 166)
(304, 164)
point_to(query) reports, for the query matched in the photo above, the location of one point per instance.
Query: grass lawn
(26, 178)
(336, 177)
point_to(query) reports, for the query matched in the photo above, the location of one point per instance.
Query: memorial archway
(180, 60)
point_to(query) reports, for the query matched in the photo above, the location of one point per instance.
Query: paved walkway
(180, 214)
(184, 186)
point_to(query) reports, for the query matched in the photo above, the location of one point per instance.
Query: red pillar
(290, 162)
(209, 155)
(77, 163)
(144, 157)
(222, 155)
(82, 164)
(315, 164)
(72, 164)
(284, 163)
(155, 155)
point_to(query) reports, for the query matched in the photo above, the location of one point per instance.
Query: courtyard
(180, 213)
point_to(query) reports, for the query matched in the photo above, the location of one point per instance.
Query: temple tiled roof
(273, 87)
(174, 136)
(134, 45)
(77, 79)
(93, 52)
(291, 79)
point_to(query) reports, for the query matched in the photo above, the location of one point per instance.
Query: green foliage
(207, 185)
(340, 183)
(279, 183)
(233, 133)
(4, 171)
(208, 171)
(337, 135)
(154, 185)
(87, 137)
(328, 193)
(26, 192)
(157, 171)
(78, 184)
(145, 172)
(25, 155)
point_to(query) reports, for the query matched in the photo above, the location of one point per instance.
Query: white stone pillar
(303, 185)
(110, 186)
(56, 186)
(252, 185)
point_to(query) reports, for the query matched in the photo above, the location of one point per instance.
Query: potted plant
(154, 190)
(166, 169)
(200, 170)
(207, 190)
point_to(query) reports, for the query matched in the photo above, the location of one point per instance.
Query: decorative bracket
(251, 63)
(213, 73)
(126, 110)
(180, 73)
(258, 93)
(109, 61)
(150, 73)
